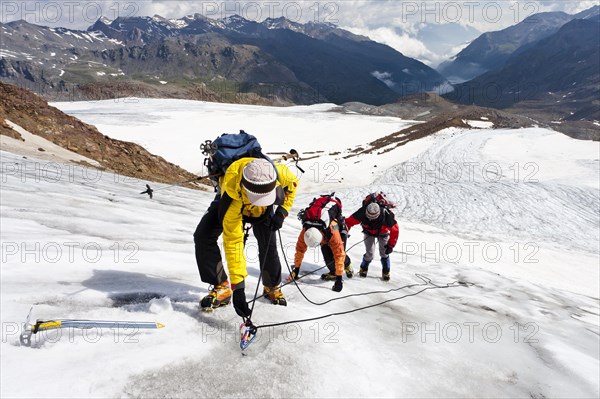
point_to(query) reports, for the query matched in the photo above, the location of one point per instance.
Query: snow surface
(528, 327)
(307, 129)
(479, 124)
(8, 53)
(33, 143)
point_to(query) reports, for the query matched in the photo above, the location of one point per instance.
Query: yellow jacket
(233, 228)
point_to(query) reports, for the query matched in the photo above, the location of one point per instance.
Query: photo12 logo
(467, 11)
(292, 333)
(26, 171)
(68, 252)
(468, 171)
(68, 11)
(119, 333)
(469, 332)
(294, 11)
(63, 12)
(470, 252)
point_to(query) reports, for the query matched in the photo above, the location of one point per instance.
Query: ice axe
(56, 324)
(295, 157)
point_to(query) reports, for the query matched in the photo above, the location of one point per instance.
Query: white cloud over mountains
(385, 77)
(404, 43)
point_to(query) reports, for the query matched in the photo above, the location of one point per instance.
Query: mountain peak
(282, 23)
(159, 18)
(185, 21)
(492, 49)
(545, 16)
(105, 20)
(103, 24)
(234, 19)
(194, 17)
(275, 20)
(17, 23)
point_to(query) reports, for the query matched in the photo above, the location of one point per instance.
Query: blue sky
(393, 22)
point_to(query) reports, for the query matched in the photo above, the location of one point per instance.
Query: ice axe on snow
(47, 325)
(291, 156)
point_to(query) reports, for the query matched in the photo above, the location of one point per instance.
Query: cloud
(444, 88)
(385, 77)
(578, 6)
(457, 49)
(409, 46)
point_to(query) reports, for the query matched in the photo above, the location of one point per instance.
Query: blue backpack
(229, 148)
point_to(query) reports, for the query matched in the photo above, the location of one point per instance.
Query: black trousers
(270, 265)
(208, 254)
(328, 255)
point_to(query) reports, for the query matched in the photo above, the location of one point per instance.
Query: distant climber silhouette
(149, 191)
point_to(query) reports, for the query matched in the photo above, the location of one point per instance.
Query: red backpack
(312, 214)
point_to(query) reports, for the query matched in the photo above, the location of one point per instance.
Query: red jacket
(386, 224)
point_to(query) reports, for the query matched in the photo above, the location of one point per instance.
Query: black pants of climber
(328, 255)
(269, 259)
(208, 254)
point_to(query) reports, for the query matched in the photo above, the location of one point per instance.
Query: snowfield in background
(174, 129)
(514, 212)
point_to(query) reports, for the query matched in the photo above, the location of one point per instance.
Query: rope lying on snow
(426, 283)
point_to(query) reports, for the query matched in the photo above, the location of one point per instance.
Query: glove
(278, 218)
(295, 274)
(239, 302)
(338, 285)
(388, 249)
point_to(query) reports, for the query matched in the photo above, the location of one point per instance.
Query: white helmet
(313, 237)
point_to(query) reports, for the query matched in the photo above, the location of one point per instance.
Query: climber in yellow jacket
(252, 191)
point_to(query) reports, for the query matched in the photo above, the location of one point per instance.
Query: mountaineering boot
(295, 275)
(364, 269)
(349, 271)
(275, 295)
(385, 269)
(328, 276)
(219, 295)
(338, 285)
